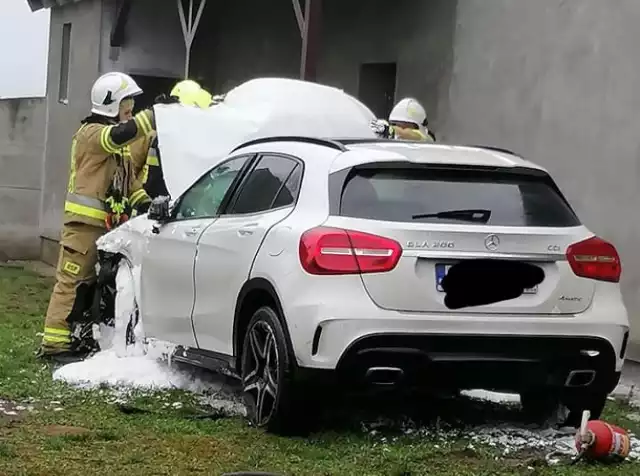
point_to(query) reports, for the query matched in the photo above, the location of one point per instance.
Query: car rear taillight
(326, 250)
(596, 259)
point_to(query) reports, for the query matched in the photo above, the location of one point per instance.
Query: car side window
(268, 186)
(289, 193)
(204, 198)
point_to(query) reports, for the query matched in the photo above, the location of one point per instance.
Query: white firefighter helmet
(109, 91)
(409, 110)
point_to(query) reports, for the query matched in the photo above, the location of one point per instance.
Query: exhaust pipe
(580, 378)
(384, 375)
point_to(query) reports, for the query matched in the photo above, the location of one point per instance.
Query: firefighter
(188, 93)
(407, 121)
(102, 192)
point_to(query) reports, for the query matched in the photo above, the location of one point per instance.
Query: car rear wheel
(267, 374)
(594, 401)
(542, 406)
(546, 406)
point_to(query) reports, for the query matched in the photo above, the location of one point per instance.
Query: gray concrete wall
(22, 132)
(557, 81)
(63, 119)
(243, 39)
(418, 36)
(247, 38)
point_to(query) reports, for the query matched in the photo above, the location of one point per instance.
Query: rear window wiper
(477, 215)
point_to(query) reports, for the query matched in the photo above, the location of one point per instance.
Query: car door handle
(247, 230)
(192, 231)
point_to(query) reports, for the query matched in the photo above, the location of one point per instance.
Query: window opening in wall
(377, 87)
(63, 87)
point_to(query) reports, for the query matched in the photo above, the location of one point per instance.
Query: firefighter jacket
(139, 153)
(154, 184)
(413, 134)
(102, 180)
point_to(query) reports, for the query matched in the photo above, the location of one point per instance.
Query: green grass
(91, 436)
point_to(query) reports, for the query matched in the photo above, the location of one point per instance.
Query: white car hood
(192, 140)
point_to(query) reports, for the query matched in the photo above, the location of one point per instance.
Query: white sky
(24, 44)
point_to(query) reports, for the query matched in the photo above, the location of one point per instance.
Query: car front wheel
(267, 374)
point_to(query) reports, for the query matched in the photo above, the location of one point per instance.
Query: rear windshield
(471, 197)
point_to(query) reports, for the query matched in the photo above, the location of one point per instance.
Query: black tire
(594, 401)
(541, 406)
(267, 371)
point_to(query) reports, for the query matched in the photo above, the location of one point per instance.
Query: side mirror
(159, 210)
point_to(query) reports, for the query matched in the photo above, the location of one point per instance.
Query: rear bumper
(480, 350)
(325, 344)
(502, 363)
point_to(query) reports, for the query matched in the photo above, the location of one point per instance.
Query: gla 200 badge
(421, 245)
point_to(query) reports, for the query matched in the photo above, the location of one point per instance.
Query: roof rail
(362, 140)
(309, 140)
(495, 149)
(372, 140)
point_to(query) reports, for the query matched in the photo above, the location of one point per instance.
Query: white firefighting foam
(140, 366)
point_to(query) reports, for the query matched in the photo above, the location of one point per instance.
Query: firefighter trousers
(76, 267)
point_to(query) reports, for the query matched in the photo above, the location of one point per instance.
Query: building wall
(22, 132)
(247, 38)
(63, 118)
(557, 81)
(418, 36)
(239, 40)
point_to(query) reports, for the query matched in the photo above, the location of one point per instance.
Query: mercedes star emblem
(492, 242)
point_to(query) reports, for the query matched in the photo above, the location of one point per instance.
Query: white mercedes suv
(299, 260)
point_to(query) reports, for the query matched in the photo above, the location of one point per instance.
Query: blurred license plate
(443, 269)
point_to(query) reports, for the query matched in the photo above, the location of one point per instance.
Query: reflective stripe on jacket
(155, 185)
(98, 152)
(152, 161)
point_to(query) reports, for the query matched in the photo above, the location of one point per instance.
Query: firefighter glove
(165, 99)
(382, 128)
(142, 208)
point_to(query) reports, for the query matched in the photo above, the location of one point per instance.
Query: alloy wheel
(260, 370)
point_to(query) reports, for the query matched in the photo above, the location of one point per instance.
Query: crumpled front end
(127, 242)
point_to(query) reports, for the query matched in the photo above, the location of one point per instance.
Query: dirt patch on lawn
(61, 430)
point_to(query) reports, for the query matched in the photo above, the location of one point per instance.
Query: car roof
(359, 151)
(439, 154)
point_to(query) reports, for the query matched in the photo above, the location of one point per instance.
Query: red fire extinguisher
(600, 441)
